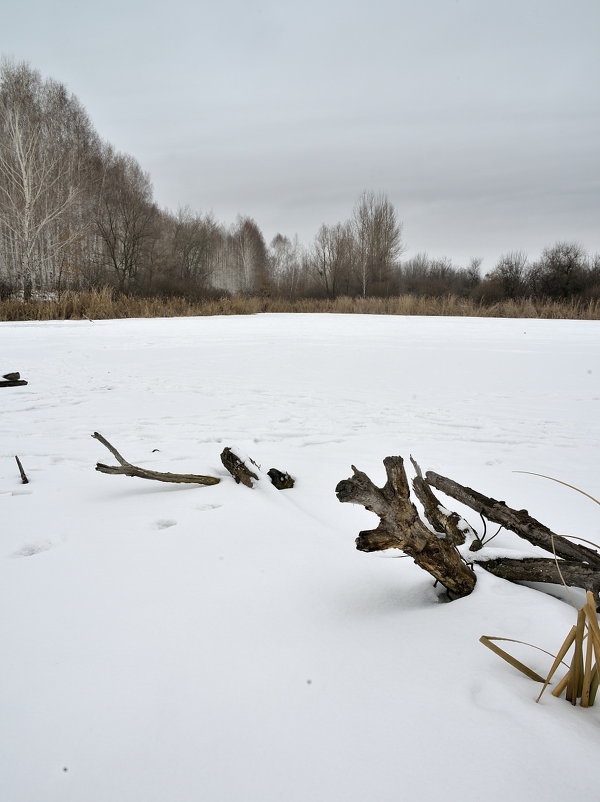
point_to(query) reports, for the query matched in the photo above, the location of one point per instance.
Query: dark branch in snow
(127, 469)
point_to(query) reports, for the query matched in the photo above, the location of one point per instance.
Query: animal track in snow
(33, 548)
(165, 523)
(207, 507)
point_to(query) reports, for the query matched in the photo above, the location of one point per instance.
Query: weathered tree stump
(401, 527)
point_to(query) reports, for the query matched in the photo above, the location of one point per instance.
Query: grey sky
(479, 119)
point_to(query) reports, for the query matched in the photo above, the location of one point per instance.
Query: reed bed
(105, 304)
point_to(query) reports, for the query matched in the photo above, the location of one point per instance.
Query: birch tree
(45, 141)
(378, 238)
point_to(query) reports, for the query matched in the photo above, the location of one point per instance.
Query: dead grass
(105, 304)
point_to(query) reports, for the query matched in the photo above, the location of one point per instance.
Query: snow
(174, 642)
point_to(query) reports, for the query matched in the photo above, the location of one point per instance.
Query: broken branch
(127, 469)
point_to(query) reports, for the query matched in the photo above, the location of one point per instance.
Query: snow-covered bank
(173, 642)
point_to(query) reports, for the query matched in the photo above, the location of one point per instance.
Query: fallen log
(13, 383)
(125, 468)
(518, 521)
(533, 569)
(400, 527)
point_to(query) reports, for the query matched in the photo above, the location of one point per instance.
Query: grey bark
(400, 527)
(518, 521)
(125, 468)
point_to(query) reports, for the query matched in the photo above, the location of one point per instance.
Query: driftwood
(237, 468)
(127, 469)
(281, 479)
(400, 527)
(244, 475)
(12, 380)
(518, 521)
(533, 569)
(24, 478)
(447, 523)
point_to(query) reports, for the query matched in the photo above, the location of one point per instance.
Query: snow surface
(172, 642)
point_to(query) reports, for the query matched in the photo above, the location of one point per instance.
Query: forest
(77, 215)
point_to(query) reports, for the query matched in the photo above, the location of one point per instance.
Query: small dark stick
(24, 478)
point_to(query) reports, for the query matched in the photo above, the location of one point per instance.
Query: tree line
(75, 215)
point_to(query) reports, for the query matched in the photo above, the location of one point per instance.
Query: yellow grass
(106, 304)
(581, 680)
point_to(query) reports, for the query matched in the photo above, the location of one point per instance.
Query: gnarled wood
(401, 527)
(280, 479)
(518, 521)
(237, 468)
(242, 473)
(449, 523)
(125, 468)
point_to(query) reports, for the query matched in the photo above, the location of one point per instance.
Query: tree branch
(127, 469)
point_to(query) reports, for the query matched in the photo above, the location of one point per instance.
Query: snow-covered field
(182, 643)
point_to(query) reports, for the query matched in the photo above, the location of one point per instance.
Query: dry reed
(106, 304)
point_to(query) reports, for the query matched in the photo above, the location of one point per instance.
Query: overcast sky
(480, 119)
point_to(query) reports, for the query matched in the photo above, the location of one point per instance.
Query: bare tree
(379, 239)
(560, 272)
(194, 242)
(45, 143)
(125, 218)
(510, 274)
(333, 258)
(286, 267)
